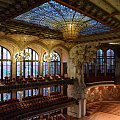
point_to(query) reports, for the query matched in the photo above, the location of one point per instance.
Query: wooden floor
(108, 111)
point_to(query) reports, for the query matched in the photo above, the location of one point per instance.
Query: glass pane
(4, 53)
(26, 69)
(0, 97)
(8, 55)
(19, 94)
(36, 56)
(30, 92)
(26, 93)
(33, 55)
(100, 53)
(35, 91)
(18, 68)
(4, 69)
(45, 68)
(0, 69)
(0, 52)
(6, 96)
(45, 91)
(110, 53)
(52, 89)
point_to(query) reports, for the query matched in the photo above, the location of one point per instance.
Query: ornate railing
(30, 85)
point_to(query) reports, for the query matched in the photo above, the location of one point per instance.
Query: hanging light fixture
(71, 29)
(22, 54)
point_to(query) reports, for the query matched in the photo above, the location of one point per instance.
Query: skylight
(53, 15)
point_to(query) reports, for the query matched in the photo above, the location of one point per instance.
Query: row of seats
(18, 79)
(16, 108)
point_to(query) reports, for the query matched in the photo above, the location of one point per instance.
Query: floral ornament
(82, 54)
(23, 55)
(26, 55)
(78, 91)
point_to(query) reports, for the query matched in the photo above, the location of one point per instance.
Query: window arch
(100, 61)
(5, 63)
(54, 64)
(30, 66)
(110, 56)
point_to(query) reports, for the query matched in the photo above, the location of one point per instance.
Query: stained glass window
(53, 15)
(35, 92)
(19, 95)
(110, 61)
(45, 91)
(100, 61)
(30, 66)
(6, 96)
(28, 93)
(55, 65)
(5, 63)
(0, 97)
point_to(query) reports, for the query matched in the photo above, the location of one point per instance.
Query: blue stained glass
(100, 53)
(18, 94)
(110, 53)
(45, 68)
(0, 52)
(0, 98)
(6, 96)
(35, 92)
(45, 91)
(53, 15)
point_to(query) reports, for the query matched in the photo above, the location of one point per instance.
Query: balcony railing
(31, 85)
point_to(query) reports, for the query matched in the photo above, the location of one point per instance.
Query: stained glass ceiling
(53, 15)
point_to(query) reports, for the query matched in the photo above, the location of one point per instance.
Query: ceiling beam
(114, 3)
(4, 5)
(8, 1)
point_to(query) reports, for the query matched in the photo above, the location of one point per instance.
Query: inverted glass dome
(56, 16)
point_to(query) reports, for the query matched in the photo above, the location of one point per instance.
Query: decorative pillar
(41, 91)
(21, 93)
(79, 109)
(48, 91)
(83, 107)
(13, 94)
(14, 69)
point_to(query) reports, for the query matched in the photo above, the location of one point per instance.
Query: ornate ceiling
(105, 12)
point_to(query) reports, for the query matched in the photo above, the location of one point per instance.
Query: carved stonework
(103, 93)
(78, 91)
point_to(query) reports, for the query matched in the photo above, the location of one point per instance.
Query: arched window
(30, 66)
(5, 63)
(54, 64)
(100, 61)
(110, 61)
